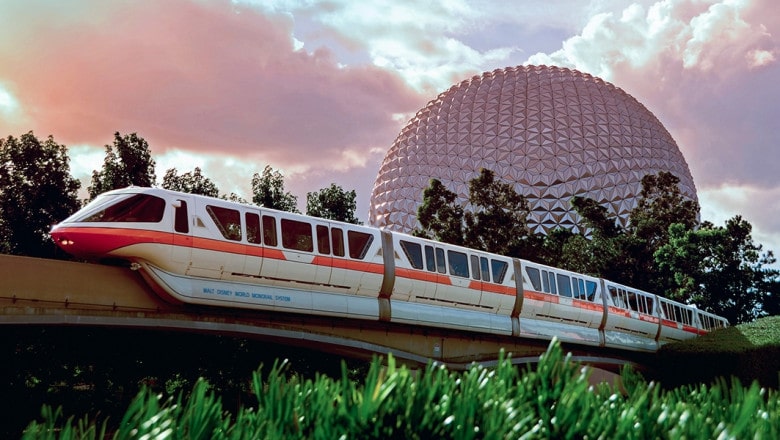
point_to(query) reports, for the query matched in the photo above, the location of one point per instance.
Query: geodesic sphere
(554, 133)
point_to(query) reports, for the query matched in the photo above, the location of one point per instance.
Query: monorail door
(182, 233)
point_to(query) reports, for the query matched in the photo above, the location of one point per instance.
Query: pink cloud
(705, 85)
(203, 76)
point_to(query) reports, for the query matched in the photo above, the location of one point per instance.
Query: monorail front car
(201, 250)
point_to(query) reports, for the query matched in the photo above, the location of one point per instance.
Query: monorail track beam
(50, 292)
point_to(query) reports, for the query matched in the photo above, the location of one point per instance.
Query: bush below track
(553, 400)
(747, 351)
(98, 371)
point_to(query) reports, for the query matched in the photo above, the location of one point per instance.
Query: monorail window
(687, 316)
(227, 220)
(485, 268)
(459, 263)
(337, 239)
(650, 305)
(181, 220)
(575, 288)
(707, 322)
(534, 277)
(499, 270)
(269, 231)
(590, 289)
(413, 252)
(553, 284)
(140, 208)
(475, 272)
(633, 301)
(667, 310)
(252, 227)
(441, 265)
(358, 244)
(564, 285)
(323, 240)
(548, 282)
(296, 235)
(618, 297)
(430, 260)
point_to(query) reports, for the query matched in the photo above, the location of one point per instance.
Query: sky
(319, 90)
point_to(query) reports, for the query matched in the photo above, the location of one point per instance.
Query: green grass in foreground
(554, 400)
(747, 351)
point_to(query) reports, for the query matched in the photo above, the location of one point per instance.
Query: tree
(720, 269)
(497, 221)
(440, 218)
(595, 218)
(601, 253)
(268, 191)
(660, 205)
(190, 182)
(128, 162)
(36, 191)
(333, 203)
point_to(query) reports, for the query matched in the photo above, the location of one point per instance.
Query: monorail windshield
(138, 208)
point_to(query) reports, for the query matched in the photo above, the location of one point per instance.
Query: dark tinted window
(459, 263)
(181, 219)
(269, 230)
(499, 270)
(534, 277)
(575, 287)
(140, 208)
(485, 267)
(413, 252)
(564, 285)
(475, 272)
(430, 260)
(337, 238)
(553, 288)
(252, 228)
(297, 235)
(323, 240)
(358, 244)
(591, 290)
(228, 221)
(441, 265)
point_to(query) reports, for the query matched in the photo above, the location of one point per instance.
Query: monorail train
(207, 251)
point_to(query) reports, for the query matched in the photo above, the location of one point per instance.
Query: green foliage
(333, 203)
(128, 162)
(749, 351)
(497, 220)
(660, 205)
(268, 191)
(440, 217)
(36, 191)
(602, 252)
(554, 400)
(626, 254)
(662, 250)
(190, 182)
(493, 221)
(719, 268)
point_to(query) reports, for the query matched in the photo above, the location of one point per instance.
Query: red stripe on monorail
(492, 288)
(421, 275)
(648, 318)
(97, 241)
(343, 263)
(555, 299)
